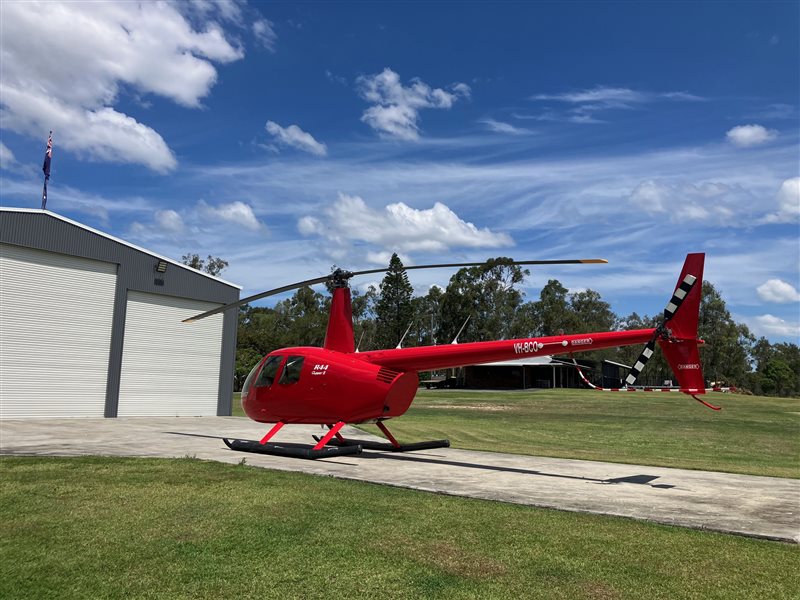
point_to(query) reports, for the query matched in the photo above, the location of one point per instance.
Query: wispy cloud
(584, 104)
(7, 159)
(264, 32)
(502, 127)
(770, 326)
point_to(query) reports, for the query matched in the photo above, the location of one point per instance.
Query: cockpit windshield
(291, 372)
(269, 371)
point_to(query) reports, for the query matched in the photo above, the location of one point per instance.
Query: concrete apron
(764, 507)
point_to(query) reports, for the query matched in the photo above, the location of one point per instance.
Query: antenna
(400, 343)
(358, 346)
(455, 339)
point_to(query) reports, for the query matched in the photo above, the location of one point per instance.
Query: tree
(553, 311)
(393, 310)
(486, 294)
(726, 354)
(427, 316)
(591, 312)
(212, 265)
(364, 317)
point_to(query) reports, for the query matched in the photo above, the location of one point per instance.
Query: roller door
(55, 333)
(169, 368)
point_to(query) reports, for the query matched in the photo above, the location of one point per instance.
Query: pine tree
(393, 310)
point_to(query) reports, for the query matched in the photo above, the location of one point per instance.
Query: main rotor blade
(576, 261)
(349, 274)
(280, 290)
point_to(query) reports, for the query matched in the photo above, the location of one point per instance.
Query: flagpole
(48, 155)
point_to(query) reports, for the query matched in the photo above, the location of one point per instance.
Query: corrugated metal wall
(47, 231)
(169, 368)
(56, 313)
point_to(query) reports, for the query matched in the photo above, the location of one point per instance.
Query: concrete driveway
(765, 507)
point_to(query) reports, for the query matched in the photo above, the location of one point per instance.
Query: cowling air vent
(387, 375)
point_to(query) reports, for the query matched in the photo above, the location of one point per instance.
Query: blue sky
(285, 137)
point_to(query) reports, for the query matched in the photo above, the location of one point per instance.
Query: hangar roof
(115, 239)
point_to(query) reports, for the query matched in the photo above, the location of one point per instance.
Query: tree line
(485, 303)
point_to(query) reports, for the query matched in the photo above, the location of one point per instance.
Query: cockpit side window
(269, 371)
(291, 372)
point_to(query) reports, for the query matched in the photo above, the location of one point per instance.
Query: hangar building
(90, 326)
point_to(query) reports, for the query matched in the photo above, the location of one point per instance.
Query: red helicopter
(336, 385)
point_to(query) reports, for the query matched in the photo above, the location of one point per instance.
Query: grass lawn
(751, 434)
(155, 528)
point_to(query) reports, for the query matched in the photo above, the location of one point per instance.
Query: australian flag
(48, 155)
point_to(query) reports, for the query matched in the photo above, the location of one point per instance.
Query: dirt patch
(447, 557)
(597, 590)
(483, 407)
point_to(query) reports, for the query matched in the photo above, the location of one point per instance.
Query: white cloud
(777, 290)
(501, 127)
(236, 212)
(788, 203)
(296, 138)
(309, 225)
(745, 136)
(6, 157)
(770, 325)
(265, 34)
(169, 221)
(384, 257)
(64, 64)
(395, 107)
(399, 228)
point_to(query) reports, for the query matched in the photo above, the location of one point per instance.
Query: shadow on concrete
(632, 479)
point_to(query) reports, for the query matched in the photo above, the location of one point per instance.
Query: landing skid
(391, 446)
(291, 450)
(386, 446)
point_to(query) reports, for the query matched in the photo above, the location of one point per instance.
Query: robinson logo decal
(689, 366)
(582, 342)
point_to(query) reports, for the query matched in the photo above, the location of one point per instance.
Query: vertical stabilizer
(683, 324)
(679, 345)
(339, 336)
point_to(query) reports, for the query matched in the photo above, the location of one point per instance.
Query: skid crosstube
(387, 447)
(291, 450)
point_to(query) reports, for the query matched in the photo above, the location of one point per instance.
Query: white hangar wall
(88, 327)
(56, 313)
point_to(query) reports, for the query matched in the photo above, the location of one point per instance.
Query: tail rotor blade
(647, 352)
(678, 297)
(674, 304)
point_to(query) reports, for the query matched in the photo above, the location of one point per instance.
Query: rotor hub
(340, 278)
